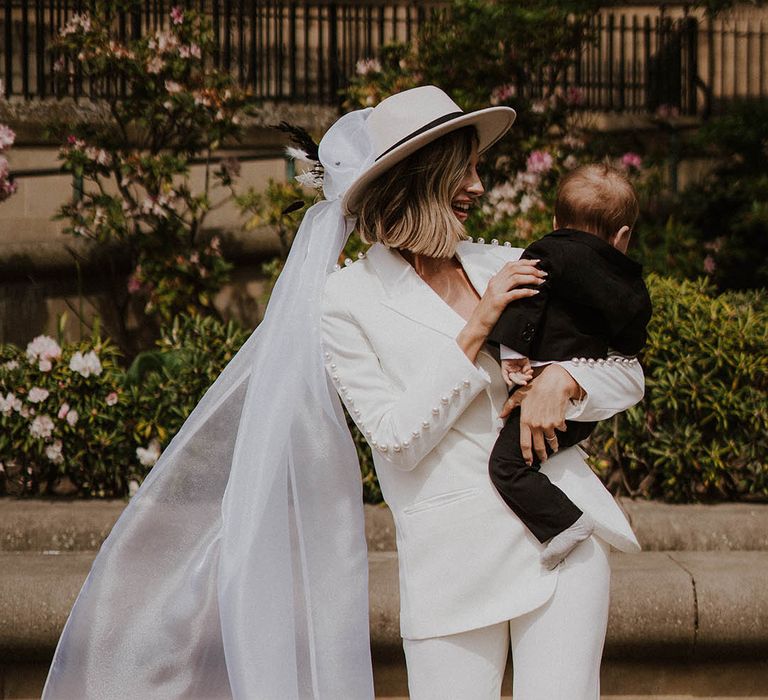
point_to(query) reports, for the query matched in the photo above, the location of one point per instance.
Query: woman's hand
(543, 403)
(502, 288)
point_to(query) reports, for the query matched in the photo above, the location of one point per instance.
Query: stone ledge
(664, 605)
(40, 525)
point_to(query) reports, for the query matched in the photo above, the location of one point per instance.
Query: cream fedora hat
(403, 123)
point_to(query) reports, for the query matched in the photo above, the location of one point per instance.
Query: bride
(239, 569)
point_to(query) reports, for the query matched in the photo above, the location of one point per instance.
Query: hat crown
(397, 117)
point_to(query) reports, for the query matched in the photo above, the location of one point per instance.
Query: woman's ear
(620, 239)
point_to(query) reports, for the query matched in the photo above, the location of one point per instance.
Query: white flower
(53, 452)
(11, 364)
(72, 417)
(155, 65)
(172, 87)
(41, 426)
(76, 22)
(85, 365)
(368, 65)
(43, 347)
(570, 162)
(150, 454)
(133, 487)
(7, 403)
(7, 137)
(37, 394)
(45, 365)
(111, 399)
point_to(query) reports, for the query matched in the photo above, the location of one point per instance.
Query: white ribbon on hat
(239, 568)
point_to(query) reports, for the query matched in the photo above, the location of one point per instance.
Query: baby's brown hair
(596, 198)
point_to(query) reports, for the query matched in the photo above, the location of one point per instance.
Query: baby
(594, 298)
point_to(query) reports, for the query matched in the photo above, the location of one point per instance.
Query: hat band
(427, 127)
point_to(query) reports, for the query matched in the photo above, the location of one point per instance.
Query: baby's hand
(517, 372)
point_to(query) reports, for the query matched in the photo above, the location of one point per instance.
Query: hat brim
(491, 123)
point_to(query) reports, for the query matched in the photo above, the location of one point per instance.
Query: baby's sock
(561, 545)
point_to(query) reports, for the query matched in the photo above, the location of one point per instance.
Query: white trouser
(556, 648)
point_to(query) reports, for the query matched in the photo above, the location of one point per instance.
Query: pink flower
(7, 137)
(367, 65)
(134, 285)
(37, 394)
(72, 417)
(709, 265)
(539, 162)
(574, 96)
(666, 111)
(177, 15)
(502, 93)
(111, 399)
(43, 347)
(631, 161)
(41, 426)
(63, 411)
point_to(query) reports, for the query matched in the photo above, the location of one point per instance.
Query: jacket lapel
(412, 297)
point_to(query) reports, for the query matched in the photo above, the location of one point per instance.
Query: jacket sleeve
(401, 423)
(518, 325)
(611, 385)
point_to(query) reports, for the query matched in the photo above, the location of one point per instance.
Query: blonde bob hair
(409, 206)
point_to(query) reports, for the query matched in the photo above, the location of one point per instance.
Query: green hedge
(700, 434)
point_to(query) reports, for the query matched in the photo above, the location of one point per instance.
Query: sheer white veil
(239, 569)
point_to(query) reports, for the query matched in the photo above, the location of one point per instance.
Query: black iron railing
(638, 59)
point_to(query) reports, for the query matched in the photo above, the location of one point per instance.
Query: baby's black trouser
(544, 509)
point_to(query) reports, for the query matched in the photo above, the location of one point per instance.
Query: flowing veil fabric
(239, 568)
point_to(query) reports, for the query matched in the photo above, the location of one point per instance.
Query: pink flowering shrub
(61, 415)
(73, 418)
(7, 185)
(138, 196)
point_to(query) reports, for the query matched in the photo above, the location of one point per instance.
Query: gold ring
(550, 438)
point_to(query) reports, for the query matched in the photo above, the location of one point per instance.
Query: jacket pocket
(442, 499)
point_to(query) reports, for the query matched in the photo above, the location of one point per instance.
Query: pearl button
(356, 411)
(466, 382)
(368, 433)
(336, 268)
(574, 359)
(383, 447)
(335, 377)
(360, 256)
(396, 447)
(435, 410)
(444, 400)
(416, 434)
(480, 239)
(507, 244)
(425, 424)
(348, 262)
(333, 365)
(456, 390)
(601, 361)
(327, 356)
(590, 362)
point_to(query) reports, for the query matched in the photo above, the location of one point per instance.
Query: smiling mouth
(461, 208)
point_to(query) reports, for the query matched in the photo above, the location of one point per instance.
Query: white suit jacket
(431, 418)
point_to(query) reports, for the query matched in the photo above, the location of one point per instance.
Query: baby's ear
(620, 239)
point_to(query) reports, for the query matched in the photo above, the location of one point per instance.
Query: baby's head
(600, 200)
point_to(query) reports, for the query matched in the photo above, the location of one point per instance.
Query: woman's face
(469, 190)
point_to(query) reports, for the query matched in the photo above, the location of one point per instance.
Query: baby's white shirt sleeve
(507, 353)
